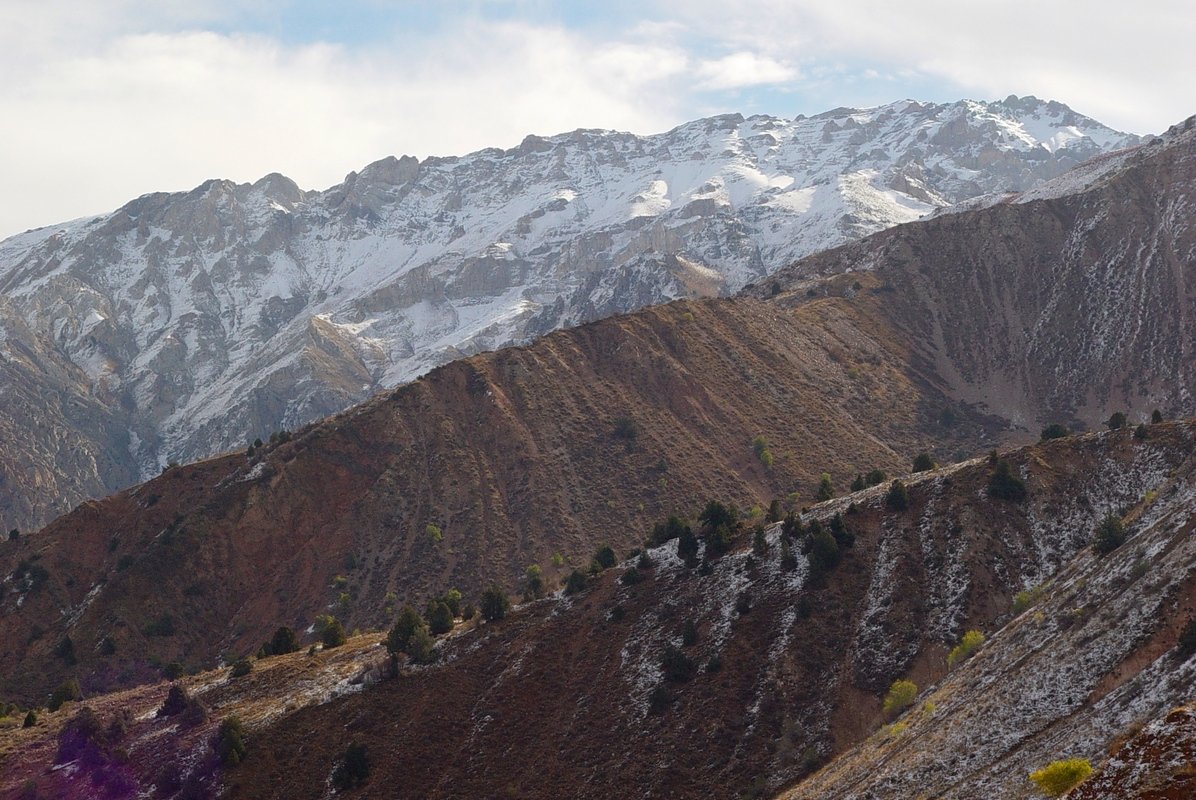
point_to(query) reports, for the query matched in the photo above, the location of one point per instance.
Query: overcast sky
(105, 100)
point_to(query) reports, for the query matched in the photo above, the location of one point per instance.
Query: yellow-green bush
(900, 697)
(968, 645)
(1058, 777)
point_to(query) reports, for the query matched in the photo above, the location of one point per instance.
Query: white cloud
(89, 129)
(1129, 66)
(101, 102)
(742, 69)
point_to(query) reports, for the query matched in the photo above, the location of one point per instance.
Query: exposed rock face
(195, 322)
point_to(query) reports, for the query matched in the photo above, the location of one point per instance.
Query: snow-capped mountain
(192, 322)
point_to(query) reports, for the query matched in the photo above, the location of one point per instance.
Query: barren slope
(564, 683)
(514, 456)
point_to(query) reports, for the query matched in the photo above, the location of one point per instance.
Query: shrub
(666, 531)
(716, 514)
(82, 737)
(67, 691)
(826, 489)
(1026, 598)
(967, 646)
(743, 603)
(604, 558)
(452, 598)
(689, 633)
(1156, 417)
(631, 577)
(241, 667)
(434, 533)
(533, 587)
(30, 719)
(791, 528)
(398, 639)
(901, 695)
(353, 769)
(1117, 421)
(162, 626)
(718, 539)
(838, 528)
(1142, 432)
(858, 484)
(875, 477)
(788, 559)
(759, 542)
(1054, 431)
(687, 547)
(575, 582)
(107, 646)
(284, 640)
(715, 664)
(897, 498)
(1003, 484)
(677, 666)
(14, 535)
(229, 742)
(1110, 533)
(421, 647)
(65, 649)
(775, 514)
(333, 635)
(625, 428)
(175, 703)
(924, 463)
(824, 552)
(659, 700)
(644, 561)
(439, 616)
(1059, 777)
(172, 671)
(760, 446)
(1186, 645)
(495, 605)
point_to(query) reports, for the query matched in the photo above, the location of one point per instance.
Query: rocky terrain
(1055, 304)
(780, 687)
(188, 324)
(526, 455)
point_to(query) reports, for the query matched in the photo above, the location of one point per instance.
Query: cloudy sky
(104, 100)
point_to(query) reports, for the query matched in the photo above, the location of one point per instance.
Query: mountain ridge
(200, 320)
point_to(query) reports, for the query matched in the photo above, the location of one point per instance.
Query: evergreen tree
(1003, 484)
(353, 769)
(897, 498)
(439, 617)
(495, 604)
(406, 624)
(825, 489)
(924, 463)
(334, 634)
(533, 583)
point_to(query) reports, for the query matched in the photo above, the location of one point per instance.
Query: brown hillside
(968, 324)
(554, 700)
(1056, 305)
(512, 455)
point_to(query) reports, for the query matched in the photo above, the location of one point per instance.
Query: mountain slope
(565, 683)
(1055, 304)
(517, 456)
(198, 321)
